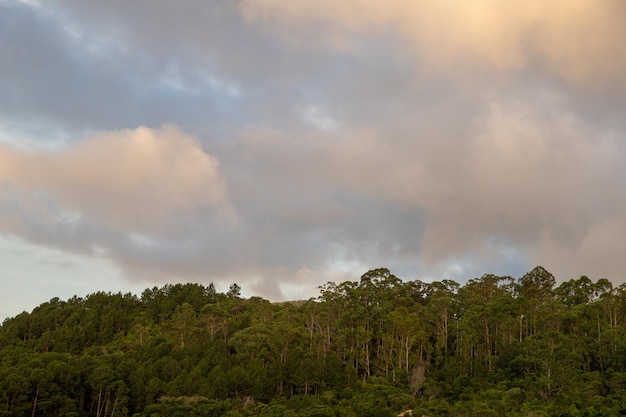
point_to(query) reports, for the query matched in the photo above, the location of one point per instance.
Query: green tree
(234, 291)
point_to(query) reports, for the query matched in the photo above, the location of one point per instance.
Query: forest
(378, 346)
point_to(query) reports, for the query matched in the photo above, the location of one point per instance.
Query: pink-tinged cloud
(579, 40)
(134, 180)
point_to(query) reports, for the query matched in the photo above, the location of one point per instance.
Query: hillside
(496, 346)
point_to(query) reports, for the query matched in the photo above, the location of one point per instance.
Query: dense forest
(496, 346)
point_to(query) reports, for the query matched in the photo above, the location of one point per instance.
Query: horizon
(282, 146)
(317, 293)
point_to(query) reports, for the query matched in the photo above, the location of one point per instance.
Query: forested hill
(496, 346)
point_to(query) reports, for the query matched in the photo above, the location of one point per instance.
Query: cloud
(131, 180)
(71, 74)
(439, 139)
(579, 40)
(523, 176)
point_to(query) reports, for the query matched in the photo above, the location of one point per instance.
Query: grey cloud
(439, 154)
(60, 75)
(521, 173)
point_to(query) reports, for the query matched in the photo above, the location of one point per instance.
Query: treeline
(496, 346)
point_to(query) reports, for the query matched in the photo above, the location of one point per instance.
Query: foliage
(495, 346)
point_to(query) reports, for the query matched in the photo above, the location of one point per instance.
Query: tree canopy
(495, 346)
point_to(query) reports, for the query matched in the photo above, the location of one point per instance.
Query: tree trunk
(32, 414)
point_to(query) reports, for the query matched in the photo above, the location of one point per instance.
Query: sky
(283, 144)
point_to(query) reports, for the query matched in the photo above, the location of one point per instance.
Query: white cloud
(319, 118)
